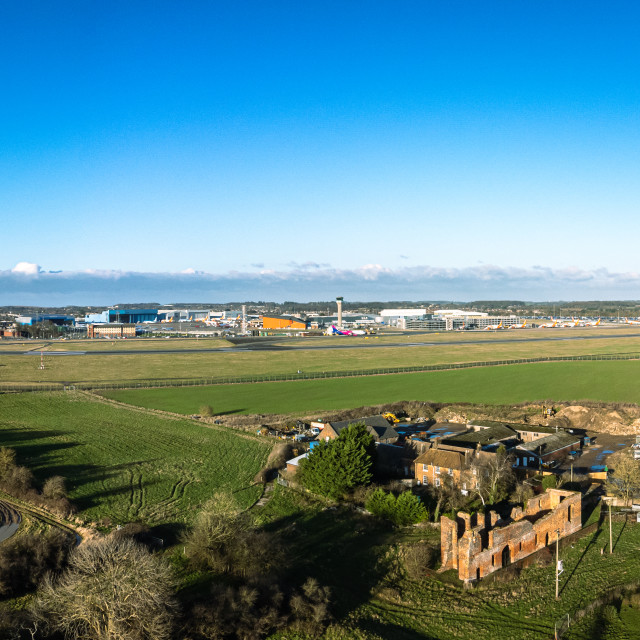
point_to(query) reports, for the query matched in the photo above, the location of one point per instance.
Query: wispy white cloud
(27, 283)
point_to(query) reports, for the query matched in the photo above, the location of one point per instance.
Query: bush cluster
(401, 511)
(18, 481)
(257, 609)
(24, 560)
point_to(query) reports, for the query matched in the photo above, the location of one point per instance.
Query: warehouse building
(59, 320)
(283, 322)
(112, 330)
(124, 316)
(398, 317)
(349, 320)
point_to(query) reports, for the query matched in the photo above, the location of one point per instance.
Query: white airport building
(442, 319)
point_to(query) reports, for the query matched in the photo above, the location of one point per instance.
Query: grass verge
(605, 381)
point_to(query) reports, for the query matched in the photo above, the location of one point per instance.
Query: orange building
(283, 322)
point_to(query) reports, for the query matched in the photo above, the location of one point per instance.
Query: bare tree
(522, 493)
(225, 539)
(7, 460)
(215, 529)
(54, 488)
(624, 479)
(112, 590)
(490, 476)
(446, 497)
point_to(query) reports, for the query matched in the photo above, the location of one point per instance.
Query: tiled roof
(440, 458)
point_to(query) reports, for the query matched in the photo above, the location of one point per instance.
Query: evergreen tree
(403, 510)
(334, 468)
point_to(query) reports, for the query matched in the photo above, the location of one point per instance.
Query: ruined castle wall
(477, 549)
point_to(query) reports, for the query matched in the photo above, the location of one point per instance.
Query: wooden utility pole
(610, 530)
(557, 564)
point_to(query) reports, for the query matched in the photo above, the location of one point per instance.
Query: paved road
(9, 521)
(341, 343)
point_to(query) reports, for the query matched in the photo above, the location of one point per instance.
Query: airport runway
(341, 343)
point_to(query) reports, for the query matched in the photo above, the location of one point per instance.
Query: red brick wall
(483, 546)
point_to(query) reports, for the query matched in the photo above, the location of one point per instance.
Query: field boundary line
(294, 377)
(170, 415)
(44, 516)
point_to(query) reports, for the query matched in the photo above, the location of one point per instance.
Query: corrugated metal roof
(549, 444)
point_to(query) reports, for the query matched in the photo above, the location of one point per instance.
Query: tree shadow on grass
(15, 438)
(389, 631)
(624, 526)
(170, 533)
(341, 549)
(79, 477)
(230, 412)
(591, 543)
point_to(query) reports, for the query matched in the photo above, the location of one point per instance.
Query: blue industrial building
(45, 317)
(125, 316)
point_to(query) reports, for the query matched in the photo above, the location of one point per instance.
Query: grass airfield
(223, 361)
(605, 381)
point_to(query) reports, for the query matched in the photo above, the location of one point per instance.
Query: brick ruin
(492, 543)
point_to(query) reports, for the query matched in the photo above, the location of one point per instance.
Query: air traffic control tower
(339, 302)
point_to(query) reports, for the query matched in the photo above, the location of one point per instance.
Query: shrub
(25, 559)
(401, 511)
(206, 411)
(111, 590)
(419, 557)
(54, 488)
(549, 482)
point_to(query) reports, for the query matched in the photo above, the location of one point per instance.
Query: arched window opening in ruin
(506, 556)
(546, 540)
(569, 513)
(478, 576)
(493, 560)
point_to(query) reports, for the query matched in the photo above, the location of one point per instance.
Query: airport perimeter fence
(283, 377)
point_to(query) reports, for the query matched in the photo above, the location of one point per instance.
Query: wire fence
(152, 383)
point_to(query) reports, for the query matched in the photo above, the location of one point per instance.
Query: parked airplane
(573, 323)
(627, 321)
(518, 326)
(334, 331)
(548, 325)
(591, 323)
(494, 327)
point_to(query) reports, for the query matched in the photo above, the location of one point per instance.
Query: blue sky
(282, 150)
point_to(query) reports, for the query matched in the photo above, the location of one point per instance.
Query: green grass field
(606, 381)
(524, 609)
(184, 365)
(126, 465)
(374, 598)
(146, 344)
